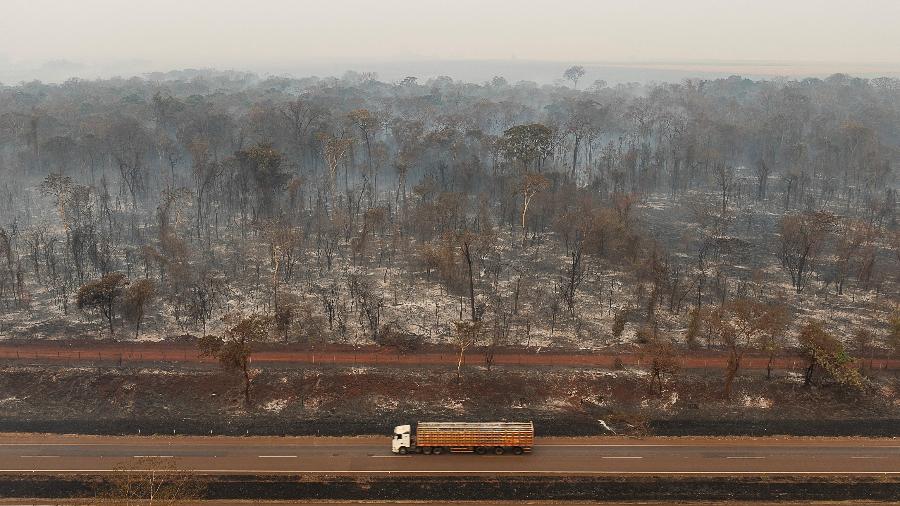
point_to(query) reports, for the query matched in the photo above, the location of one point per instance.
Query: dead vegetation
(341, 400)
(650, 219)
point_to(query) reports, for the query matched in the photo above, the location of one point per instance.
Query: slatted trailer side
(479, 437)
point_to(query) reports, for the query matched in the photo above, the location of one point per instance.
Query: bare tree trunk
(246, 371)
(575, 155)
(468, 256)
(734, 364)
(516, 297)
(524, 229)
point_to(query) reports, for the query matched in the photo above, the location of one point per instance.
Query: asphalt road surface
(371, 455)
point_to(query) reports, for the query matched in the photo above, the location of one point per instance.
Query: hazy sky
(257, 34)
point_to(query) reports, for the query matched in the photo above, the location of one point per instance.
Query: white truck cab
(401, 442)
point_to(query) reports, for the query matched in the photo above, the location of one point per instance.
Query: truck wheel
(402, 450)
(498, 450)
(437, 450)
(426, 450)
(480, 450)
(518, 450)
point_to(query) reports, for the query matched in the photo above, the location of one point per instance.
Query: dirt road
(121, 353)
(21, 453)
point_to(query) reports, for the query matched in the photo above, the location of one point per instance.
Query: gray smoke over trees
(350, 208)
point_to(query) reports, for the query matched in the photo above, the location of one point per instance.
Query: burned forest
(233, 212)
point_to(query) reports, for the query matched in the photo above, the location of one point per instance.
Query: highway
(371, 455)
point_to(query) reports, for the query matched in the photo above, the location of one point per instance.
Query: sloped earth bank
(370, 400)
(607, 488)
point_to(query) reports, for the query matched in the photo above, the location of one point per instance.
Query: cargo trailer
(434, 438)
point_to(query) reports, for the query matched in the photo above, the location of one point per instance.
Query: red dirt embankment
(169, 352)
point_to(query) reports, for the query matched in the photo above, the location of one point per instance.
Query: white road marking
(578, 445)
(621, 457)
(744, 457)
(301, 471)
(868, 457)
(60, 444)
(390, 456)
(39, 456)
(30, 504)
(574, 445)
(153, 456)
(277, 456)
(607, 446)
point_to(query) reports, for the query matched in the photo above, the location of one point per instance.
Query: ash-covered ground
(371, 400)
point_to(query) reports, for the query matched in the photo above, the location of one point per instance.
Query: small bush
(392, 336)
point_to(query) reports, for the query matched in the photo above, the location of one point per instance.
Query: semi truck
(435, 438)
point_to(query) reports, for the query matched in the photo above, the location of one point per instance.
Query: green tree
(235, 350)
(825, 352)
(528, 144)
